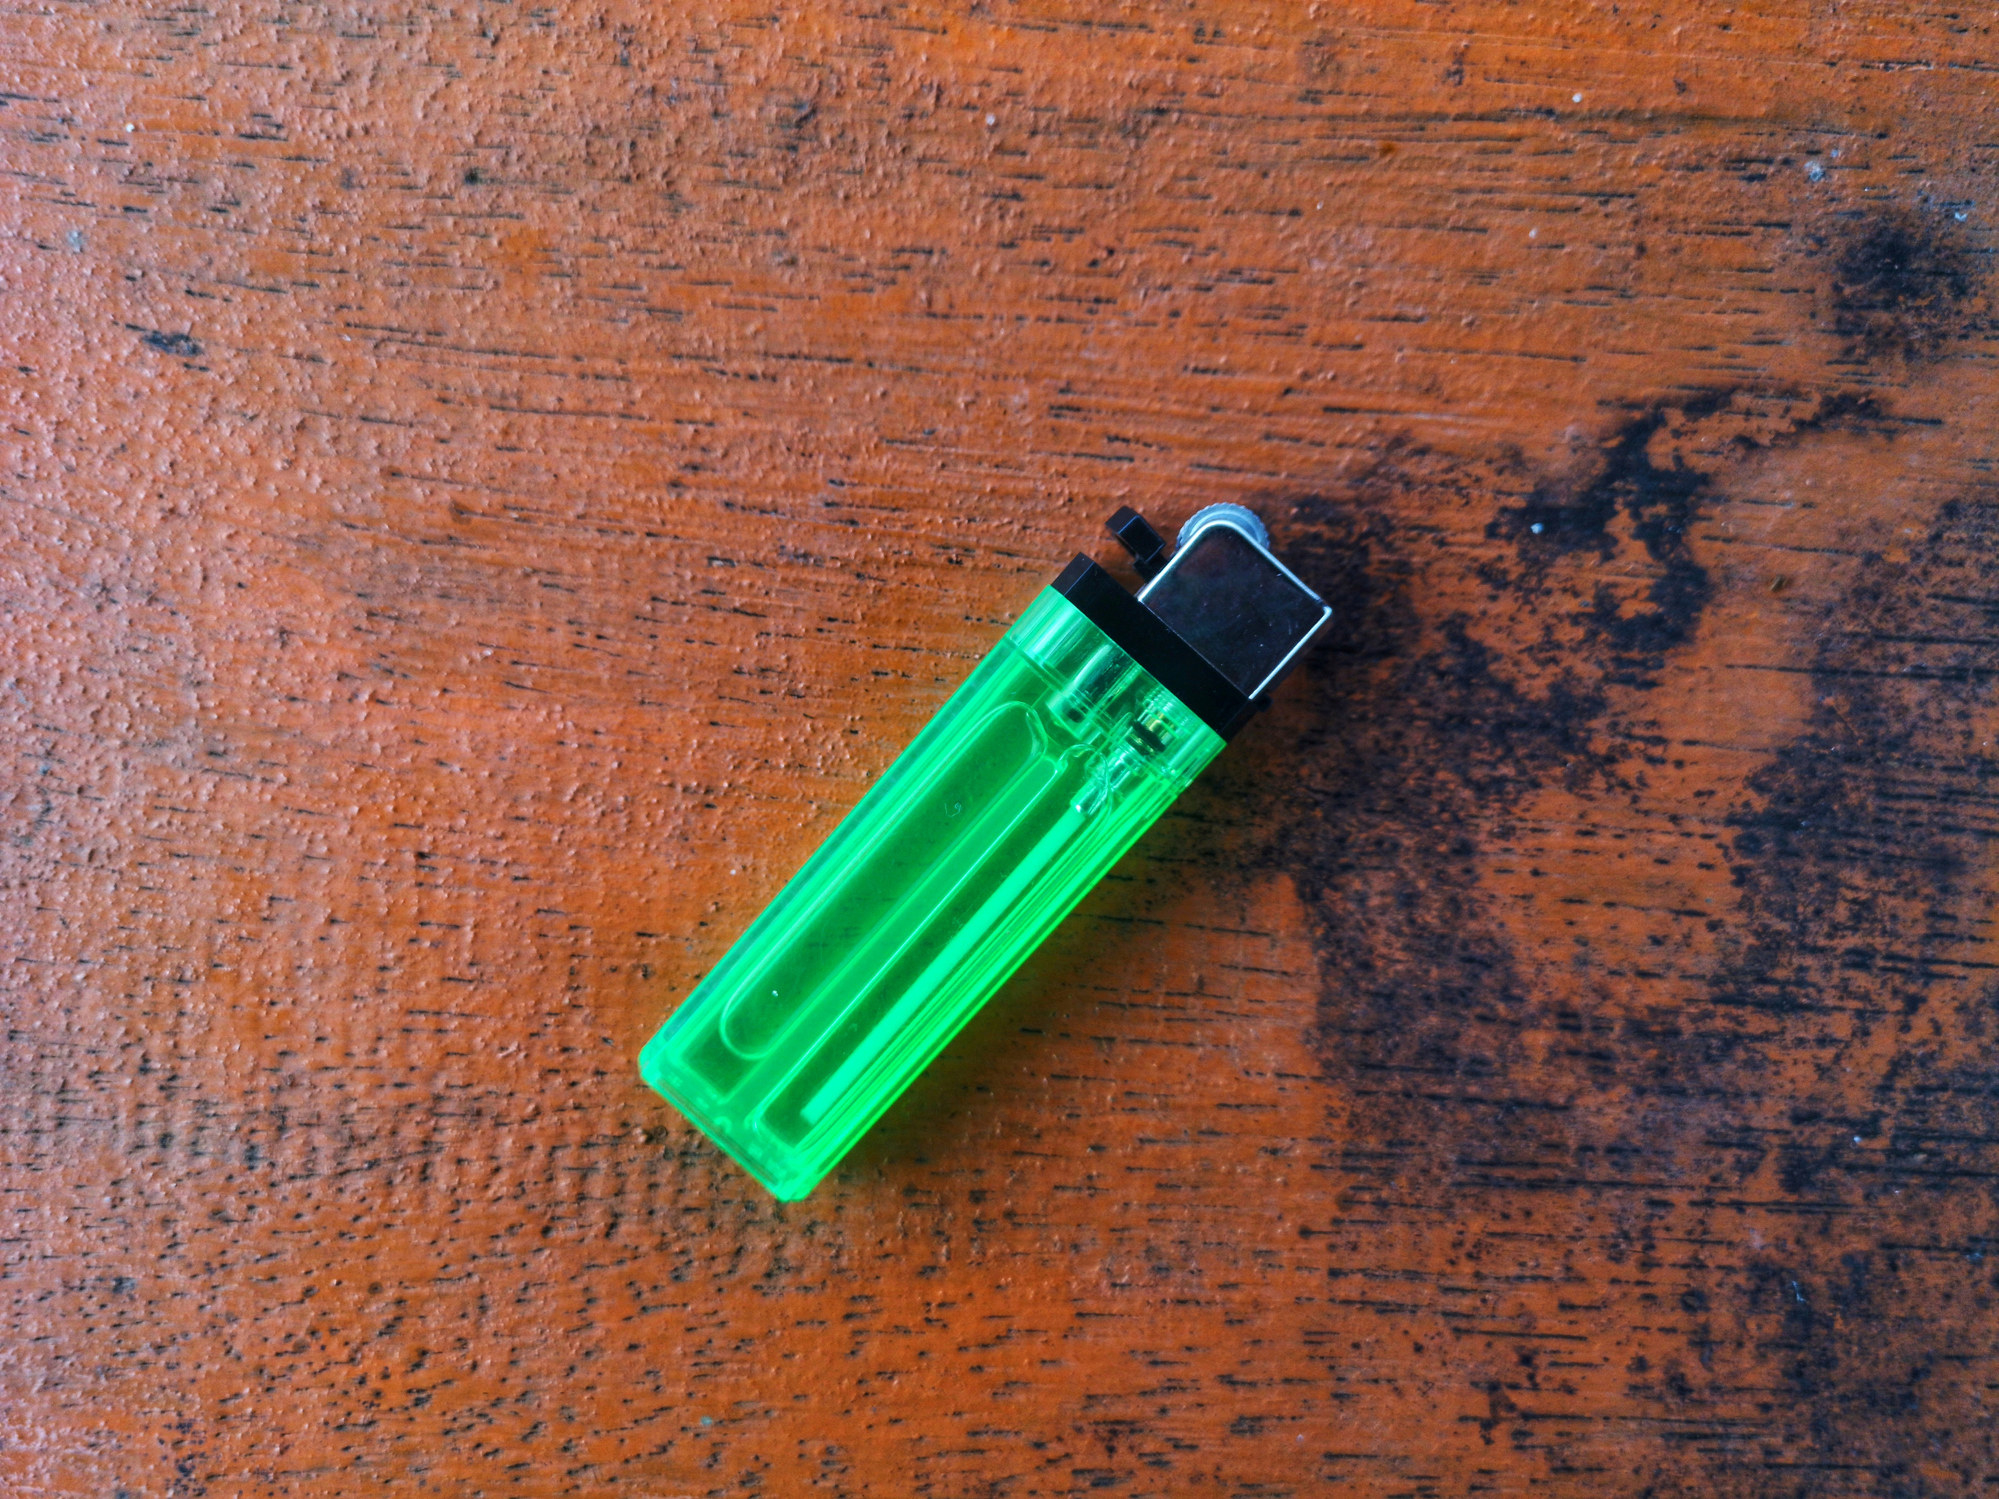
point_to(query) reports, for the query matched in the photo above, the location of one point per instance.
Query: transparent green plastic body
(1056, 753)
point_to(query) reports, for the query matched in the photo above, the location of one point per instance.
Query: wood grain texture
(483, 489)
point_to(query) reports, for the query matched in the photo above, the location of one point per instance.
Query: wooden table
(486, 487)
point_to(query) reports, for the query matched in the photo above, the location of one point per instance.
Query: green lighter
(1066, 742)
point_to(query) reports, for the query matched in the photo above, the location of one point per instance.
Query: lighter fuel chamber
(1066, 742)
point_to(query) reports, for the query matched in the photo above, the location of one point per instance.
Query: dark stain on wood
(181, 344)
(1905, 282)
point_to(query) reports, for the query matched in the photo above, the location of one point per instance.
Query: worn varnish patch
(481, 498)
(1756, 1052)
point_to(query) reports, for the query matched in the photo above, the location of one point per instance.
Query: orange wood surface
(484, 487)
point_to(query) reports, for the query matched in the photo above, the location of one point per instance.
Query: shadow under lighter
(1066, 742)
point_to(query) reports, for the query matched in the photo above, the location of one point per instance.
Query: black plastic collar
(1151, 642)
